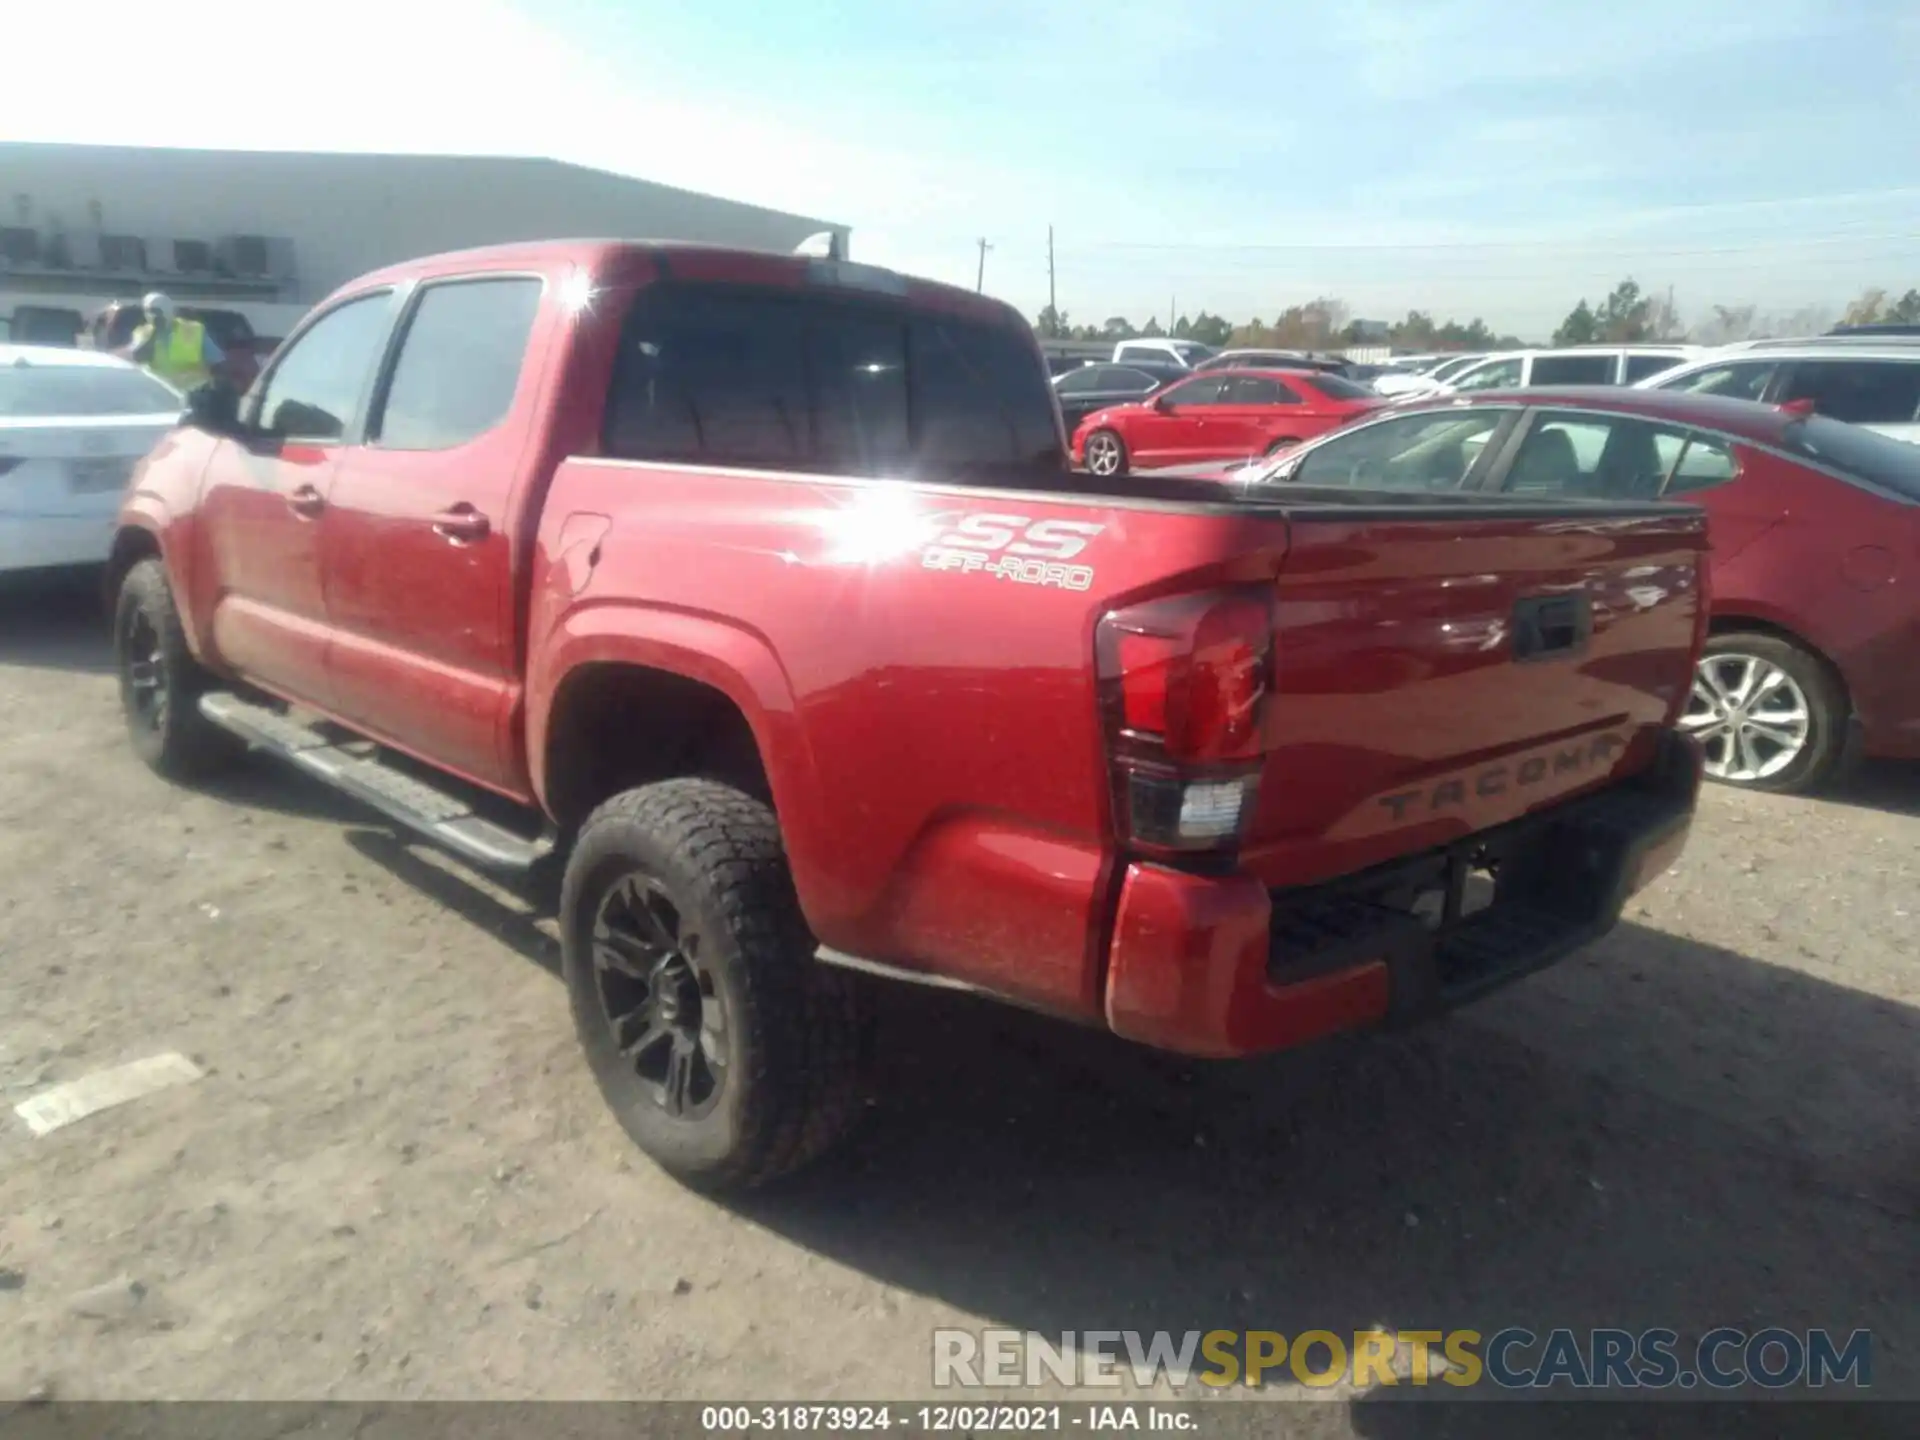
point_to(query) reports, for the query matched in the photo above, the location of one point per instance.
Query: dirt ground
(396, 1179)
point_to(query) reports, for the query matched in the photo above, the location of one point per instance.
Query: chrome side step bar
(435, 814)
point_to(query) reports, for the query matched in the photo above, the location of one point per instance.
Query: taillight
(1184, 684)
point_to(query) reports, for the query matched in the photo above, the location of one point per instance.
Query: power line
(1483, 246)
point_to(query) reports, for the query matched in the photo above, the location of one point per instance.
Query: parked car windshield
(1878, 459)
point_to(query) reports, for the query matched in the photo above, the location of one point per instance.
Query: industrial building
(268, 233)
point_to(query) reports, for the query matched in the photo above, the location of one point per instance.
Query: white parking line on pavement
(61, 1105)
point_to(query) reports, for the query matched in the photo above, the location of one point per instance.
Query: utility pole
(1052, 305)
(980, 279)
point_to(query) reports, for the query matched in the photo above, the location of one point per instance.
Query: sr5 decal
(1030, 552)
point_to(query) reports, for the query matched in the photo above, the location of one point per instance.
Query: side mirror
(214, 408)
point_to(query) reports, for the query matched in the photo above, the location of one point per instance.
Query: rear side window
(1494, 375)
(833, 384)
(1879, 460)
(1207, 390)
(1747, 380)
(1257, 390)
(1863, 392)
(1639, 367)
(55, 391)
(1429, 451)
(1081, 382)
(1589, 457)
(1573, 370)
(1705, 462)
(459, 362)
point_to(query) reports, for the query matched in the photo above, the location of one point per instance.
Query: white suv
(1185, 352)
(1577, 365)
(1876, 386)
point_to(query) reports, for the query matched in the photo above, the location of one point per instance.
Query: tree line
(1321, 324)
(1626, 315)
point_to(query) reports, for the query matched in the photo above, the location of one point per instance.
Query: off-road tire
(168, 731)
(796, 1029)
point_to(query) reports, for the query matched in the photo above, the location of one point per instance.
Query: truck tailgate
(1439, 673)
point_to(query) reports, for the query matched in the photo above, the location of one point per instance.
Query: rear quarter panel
(928, 720)
(1837, 568)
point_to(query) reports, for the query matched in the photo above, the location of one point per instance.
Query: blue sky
(1238, 155)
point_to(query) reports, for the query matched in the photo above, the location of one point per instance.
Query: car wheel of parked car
(728, 1053)
(1768, 714)
(161, 683)
(1106, 453)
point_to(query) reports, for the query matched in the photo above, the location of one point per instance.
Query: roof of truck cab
(1746, 419)
(596, 255)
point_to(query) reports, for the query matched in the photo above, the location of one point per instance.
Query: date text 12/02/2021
(946, 1419)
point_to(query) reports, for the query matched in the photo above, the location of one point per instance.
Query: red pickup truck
(754, 594)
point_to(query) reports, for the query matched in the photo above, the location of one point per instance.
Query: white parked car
(1876, 386)
(72, 425)
(1186, 352)
(1424, 379)
(1575, 365)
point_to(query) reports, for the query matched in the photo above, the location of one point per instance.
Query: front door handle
(306, 502)
(461, 524)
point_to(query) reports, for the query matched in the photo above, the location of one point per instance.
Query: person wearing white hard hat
(179, 351)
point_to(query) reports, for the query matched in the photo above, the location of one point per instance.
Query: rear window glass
(1866, 392)
(1336, 387)
(1870, 456)
(841, 385)
(30, 391)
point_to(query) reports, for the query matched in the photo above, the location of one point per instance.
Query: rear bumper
(1221, 966)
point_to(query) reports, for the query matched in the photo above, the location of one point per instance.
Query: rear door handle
(306, 502)
(461, 524)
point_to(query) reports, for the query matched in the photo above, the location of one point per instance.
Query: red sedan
(1814, 524)
(1218, 415)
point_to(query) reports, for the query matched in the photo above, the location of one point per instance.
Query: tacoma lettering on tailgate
(1497, 779)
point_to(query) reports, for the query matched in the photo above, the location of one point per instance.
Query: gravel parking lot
(397, 1180)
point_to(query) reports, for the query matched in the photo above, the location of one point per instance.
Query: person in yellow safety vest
(179, 351)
